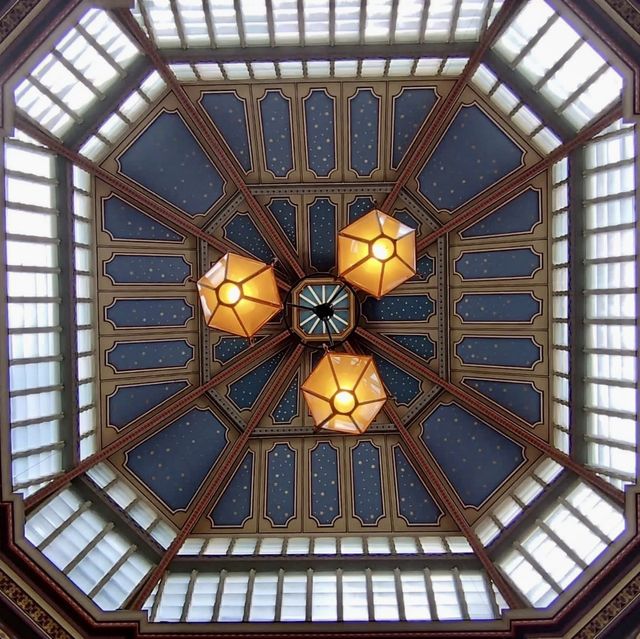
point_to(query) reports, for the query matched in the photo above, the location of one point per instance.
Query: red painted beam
(440, 117)
(220, 476)
(455, 508)
(511, 185)
(147, 425)
(513, 427)
(222, 156)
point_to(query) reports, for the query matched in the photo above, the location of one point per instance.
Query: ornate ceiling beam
(223, 471)
(510, 425)
(454, 507)
(130, 434)
(452, 504)
(222, 156)
(441, 115)
(487, 201)
(319, 52)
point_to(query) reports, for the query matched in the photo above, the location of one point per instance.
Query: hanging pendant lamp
(344, 392)
(377, 253)
(239, 295)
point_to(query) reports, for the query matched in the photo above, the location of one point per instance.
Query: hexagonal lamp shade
(377, 253)
(344, 393)
(239, 295)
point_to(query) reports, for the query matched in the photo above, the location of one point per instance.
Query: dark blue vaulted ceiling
(317, 157)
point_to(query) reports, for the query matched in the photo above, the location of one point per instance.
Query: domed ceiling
(210, 430)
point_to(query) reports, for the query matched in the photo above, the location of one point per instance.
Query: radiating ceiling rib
(222, 471)
(196, 113)
(443, 112)
(510, 185)
(426, 469)
(254, 353)
(454, 507)
(513, 427)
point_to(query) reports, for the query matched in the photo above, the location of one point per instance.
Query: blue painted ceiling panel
(167, 159)
(475, 458)
(174, 461)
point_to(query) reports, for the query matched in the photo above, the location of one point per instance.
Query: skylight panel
(470, 20)
(347, 22)
(400, 67)
(254, 20)
(553, 552)
(372, 68)
(35, 351)
(377, 21)
(533, 16)
(428, 66)
(318, 69)
(162, 21)
(477, 598)
(69, 80)
(552, 56)
(285, 21)
(385, 599)
(194, 24)
(236, 70)
(324, 601)
(84, 546)
(234, 594)
(439, 20)
(224, 20)
(354, 596)
(209, 71)
(203, 597)
(345, 68)
(316, 21)
(291, 69)
(408, 21)
(610, 251)
(263, 598)
(444, 592)
(454, 66)
(183, 72)
(514, 108)
(264, 70)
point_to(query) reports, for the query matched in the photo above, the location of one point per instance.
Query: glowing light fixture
(377, 253)
(239, 295)
(344, 392)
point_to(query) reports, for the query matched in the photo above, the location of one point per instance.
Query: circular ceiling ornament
(322, 310)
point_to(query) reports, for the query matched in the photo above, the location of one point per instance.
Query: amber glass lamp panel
(344, 393)
(377, 253)
(239, 295)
